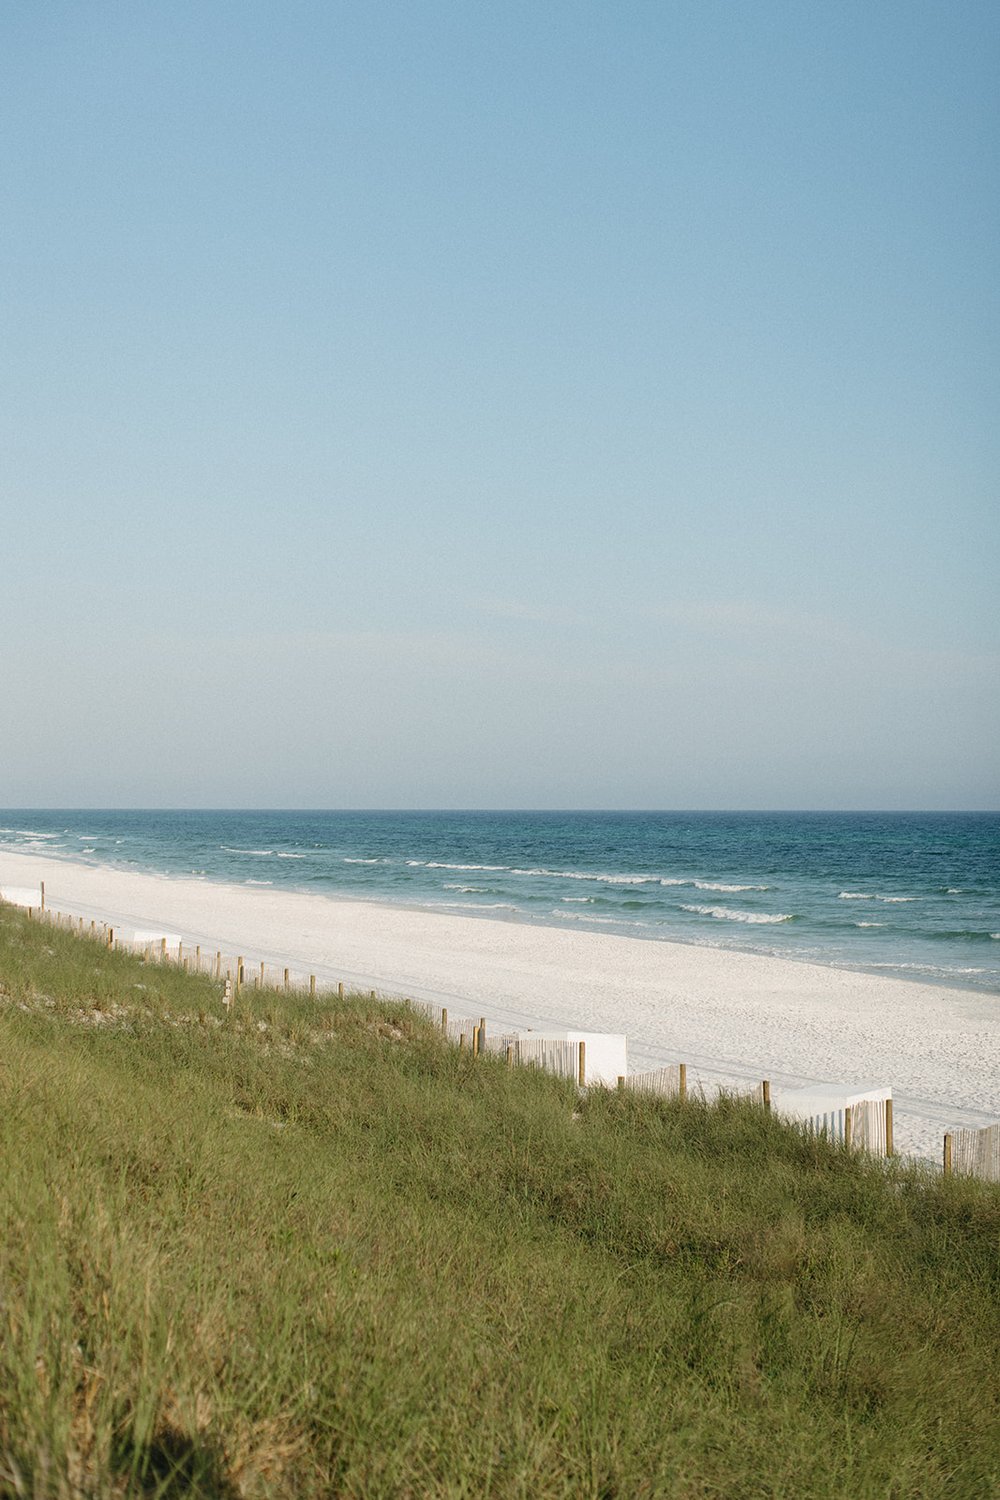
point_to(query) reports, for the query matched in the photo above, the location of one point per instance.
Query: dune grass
(310, 1250)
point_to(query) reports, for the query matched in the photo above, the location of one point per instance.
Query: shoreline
(512, 916)
(734, 1016)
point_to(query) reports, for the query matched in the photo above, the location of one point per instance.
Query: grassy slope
(314, 1251)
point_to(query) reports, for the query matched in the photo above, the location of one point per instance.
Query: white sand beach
(735, 1018)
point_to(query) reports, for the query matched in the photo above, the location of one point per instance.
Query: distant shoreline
(734, 1016)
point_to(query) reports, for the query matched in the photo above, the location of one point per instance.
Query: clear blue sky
(499, 405)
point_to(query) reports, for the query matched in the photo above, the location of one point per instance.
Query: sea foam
(733, 914)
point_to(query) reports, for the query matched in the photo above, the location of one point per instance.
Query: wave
(441, 864)
(580, 899)
(585, 916)
(715, 885)
(542, 872)
(872, 896)
(733, 914)
(348, 860)
(930, 968)
(869, 924)
(475, 905)
(282, 855)
(226, 849)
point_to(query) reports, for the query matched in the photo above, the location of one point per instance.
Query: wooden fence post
(218, 964)
(340, 990)
(847, 1127)
(682, 1080)
(239, 974)
(444, 1019)
(888, 1127)
(372, 995)
(947, 1153)
(286, 979)
(111, 937)
(461, 1042)
(163, 950)
(510, 1055)
(482, 1033)
(42, 886)
(312, 986)
(581, 1071)
(475, 1041)
(197, 958)
(765, 1093)
(262, 975)
(621, 1081)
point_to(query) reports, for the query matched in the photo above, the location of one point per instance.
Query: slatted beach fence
(866, 1128)
(552, 1055)
(859, 1127)
(668, 1083)
(974, 1153)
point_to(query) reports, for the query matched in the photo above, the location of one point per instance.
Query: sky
(448, 405)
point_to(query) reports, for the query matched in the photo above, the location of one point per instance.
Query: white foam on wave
(929, 968)
(258, 882)
(282, 855)
(349, 861)
(441, 864)
(474, 905)
(872, 896)
(227, 849)
(544, 873)
(468, 890)
(585, 916)
(869, 924)
(589, 900)
(733, 914)
(716, 885)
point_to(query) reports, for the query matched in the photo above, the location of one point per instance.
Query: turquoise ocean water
(915, 895)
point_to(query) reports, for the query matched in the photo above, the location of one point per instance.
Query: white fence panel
(976, 1153)
(663, 1081)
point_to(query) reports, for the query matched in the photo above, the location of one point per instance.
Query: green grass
(310, 1250)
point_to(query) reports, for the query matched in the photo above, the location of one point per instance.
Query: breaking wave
(733, 914)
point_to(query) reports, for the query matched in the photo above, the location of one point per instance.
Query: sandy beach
(734, 1017)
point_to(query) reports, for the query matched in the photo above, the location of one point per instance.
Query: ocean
(914, 895)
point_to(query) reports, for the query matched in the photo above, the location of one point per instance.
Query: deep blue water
(911, 894)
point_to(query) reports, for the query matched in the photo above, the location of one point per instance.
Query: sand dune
(734, 1017)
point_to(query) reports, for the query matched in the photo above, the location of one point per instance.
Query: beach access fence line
(975, 1153)
(860, 1121)
(668, 1083)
